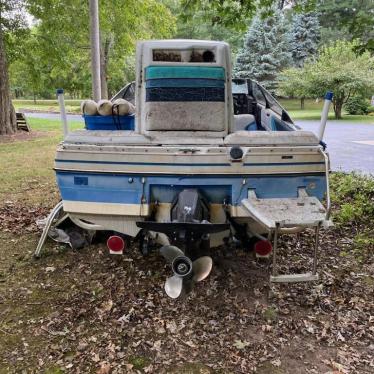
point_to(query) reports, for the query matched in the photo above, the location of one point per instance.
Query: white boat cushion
(185, 116)
(241, 121)
(269, 138)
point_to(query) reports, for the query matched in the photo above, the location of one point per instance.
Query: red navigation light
(263, 247)
(115, 244)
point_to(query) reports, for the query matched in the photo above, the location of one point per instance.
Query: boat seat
(245, 138)
(184, 98)
(245, 122)
(271, 138)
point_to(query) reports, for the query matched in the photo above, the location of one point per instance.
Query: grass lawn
(28, 164)
(72, 106)
(313, 110)
(83, 311)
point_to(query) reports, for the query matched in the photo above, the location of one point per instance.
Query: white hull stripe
(106, 208)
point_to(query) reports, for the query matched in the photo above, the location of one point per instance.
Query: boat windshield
(239, 86)
(271, 102)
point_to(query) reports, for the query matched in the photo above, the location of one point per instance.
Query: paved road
(71, 117)
(351, 145)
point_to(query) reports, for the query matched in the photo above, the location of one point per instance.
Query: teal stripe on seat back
(160, 72)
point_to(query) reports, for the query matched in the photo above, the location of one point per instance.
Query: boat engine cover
(189, 207)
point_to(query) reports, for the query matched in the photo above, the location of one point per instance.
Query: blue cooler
(110, 122)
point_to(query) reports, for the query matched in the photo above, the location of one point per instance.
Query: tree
(265, 52)
(10, 19)
(352, 18)
(304, 37)
(338, 69)
(64, 37)
(198, 26)
(292, 83)
(235, 14)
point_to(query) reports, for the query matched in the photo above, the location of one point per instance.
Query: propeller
(186, 272)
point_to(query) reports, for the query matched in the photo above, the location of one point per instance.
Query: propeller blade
(170, 252)
(174, 286)
(201, 268)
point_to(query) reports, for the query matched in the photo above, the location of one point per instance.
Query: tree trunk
(8, 123)
(338, 106)
(302, 103)
(104, 83)
(104, 61)
(103, 70)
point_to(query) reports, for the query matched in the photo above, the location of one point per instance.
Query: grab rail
(64, 120)
(327, 172)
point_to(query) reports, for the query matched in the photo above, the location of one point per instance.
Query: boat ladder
(289, 215)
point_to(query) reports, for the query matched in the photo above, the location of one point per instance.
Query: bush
(353, 197)
(357, 105)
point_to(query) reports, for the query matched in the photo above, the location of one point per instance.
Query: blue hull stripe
(186, 164)
(183, 82)
(130, 189)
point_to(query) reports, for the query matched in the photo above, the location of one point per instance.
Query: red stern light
(115, 244)
(263, 248)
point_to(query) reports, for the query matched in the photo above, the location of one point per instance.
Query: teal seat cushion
(202, 72)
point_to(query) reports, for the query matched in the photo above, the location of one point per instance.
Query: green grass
(27, 169)
(294, 104)
(72, 106)
(313, 110)
(26, 166)
(44, 124)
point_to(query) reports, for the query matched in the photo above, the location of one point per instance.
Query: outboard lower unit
(189, 229)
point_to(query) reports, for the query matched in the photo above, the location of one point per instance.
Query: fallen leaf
(104, 368)
(241, 344)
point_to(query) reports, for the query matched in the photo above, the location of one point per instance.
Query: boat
(211, 161)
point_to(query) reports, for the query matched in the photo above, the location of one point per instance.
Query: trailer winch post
(324, 115)
(61, 102)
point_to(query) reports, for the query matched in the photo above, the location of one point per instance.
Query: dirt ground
(86, 312)
(22, 136)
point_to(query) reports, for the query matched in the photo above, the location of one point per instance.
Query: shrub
(353, 195)
(357, 105)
